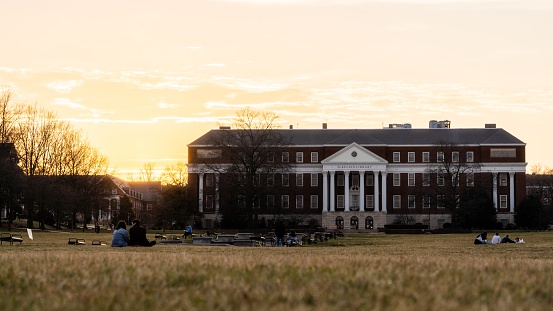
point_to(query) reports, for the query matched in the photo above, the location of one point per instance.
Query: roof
(385, 137)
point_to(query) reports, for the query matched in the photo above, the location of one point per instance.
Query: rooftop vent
(324, 126)
(224, 127)
(433, 124)
(399, 125)
(489, 125)
(291, 127)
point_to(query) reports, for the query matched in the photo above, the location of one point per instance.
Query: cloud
(64, 87)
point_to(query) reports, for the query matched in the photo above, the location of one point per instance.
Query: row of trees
(59, 169)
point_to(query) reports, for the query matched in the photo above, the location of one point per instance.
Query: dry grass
(358, 272)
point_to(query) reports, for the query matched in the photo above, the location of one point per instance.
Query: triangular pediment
(354, 154)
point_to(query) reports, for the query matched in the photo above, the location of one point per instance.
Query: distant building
(362, 179)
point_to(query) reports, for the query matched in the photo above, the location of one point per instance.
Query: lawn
(356, 272)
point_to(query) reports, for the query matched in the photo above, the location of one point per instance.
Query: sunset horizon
(142, 80)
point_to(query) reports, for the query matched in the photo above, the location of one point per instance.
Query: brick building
(362, 179)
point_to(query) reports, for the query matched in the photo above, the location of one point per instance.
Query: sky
(143, 79)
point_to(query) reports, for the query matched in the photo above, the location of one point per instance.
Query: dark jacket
(279, 229)
(138, 236)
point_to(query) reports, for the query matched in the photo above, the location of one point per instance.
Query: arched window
(354, 222)
(340, 222)
(369, 222)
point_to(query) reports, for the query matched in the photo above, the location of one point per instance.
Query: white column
(201, 193)
(376, 184)
(332, 195)
(384, 174)
(346, 191)
(217, 196)
(494, 196)
(512, 192)
(325, 191)
(362, 191)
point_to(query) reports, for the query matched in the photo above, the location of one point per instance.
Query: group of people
(280, 233)
(482, 238)
(136, 236)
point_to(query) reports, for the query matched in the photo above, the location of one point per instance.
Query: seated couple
(137, 236)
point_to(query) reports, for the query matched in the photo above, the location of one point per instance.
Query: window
(470, 179)
(502, 201)
(314, 180)
(369, 222)
(426, 156)
(503, 153)
(340, 180)
(270, 201)
(369, 201)
(354, 223)
(209, 201)
(299, 201)
(441, 201)
(411, 201)
(397, 157)
(271, 157)
(411, 179)
(257, 203)
(396, 201)
(340, 201)
(285, 201)
(285, 157)
(257, 180)
(209, 153)
(411, 157)
(425, 179)
(470, 156)
(455, 156)
(314, 201)
(397, 180)
(441, 179)
(149, 206)
(113, 191)
(209, 180)
(503, 179)
(314, 157)
(285, 179)
(440, 156)
(270, 179)
(299, 179)
(299, 157)
(425, 201)
(455, 180)
(369, 179)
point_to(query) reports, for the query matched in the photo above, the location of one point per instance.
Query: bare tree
(147, 172)
(249, 150)
(8, 116)
(176, 175)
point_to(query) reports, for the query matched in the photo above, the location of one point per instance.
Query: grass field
(356, 272)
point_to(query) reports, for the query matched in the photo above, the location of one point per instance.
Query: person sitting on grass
(187, 232)
(292, 239)
(138, 235)
(120, 235)
(482, 238)
(517, 240)
(507, 239)
(496, 239)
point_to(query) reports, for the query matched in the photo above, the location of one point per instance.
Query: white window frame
(369, 201)
(426, 179)
(397, 179)
(426, 201)
(426, 156)
(340, 201)
(285, 201)
(299, 157)
(314, 201)
(299, 201)
(411, 201)
(470, 156)
(440, 201)
(314, 180)
(340, 178)
(503, 201)
(455, 156)
(411, 156)
(299, 179)
(285, 157)
(285, 179)
(314, 157)
(440, 179)
(440, 157)
(396, 201)
(503, 179)
(397, 157)
(411, 179)
(369, 179)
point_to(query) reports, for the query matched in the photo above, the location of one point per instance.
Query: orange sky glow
(143, 79)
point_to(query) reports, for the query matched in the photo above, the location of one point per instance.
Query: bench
(201, 241)
(75, 241)
(12, 238)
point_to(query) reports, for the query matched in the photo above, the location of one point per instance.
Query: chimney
(224, 127)
(291, 127)
(324, 126)
(489, 125)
